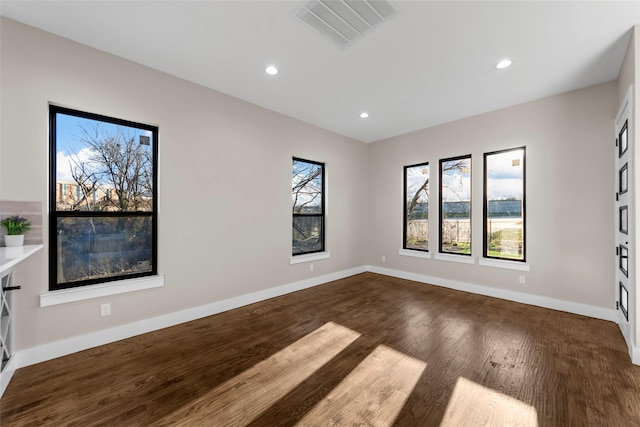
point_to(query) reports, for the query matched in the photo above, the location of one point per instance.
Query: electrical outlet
(310, 267)
(521, 280)
(105, 309)
(384, 258)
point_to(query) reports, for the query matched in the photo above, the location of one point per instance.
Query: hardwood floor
(366, 350)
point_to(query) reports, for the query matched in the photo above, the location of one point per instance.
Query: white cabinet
(9, 258)
(6, 319)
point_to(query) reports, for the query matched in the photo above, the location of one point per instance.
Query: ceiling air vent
(343, 22)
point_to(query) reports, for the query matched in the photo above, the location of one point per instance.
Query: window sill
(509, 265)
(309, 257)
(463, 259)
(415, 254)
(95, 291)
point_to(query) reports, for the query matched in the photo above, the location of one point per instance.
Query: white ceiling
(433, 63)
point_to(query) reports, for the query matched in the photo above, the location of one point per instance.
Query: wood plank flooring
(367, 350)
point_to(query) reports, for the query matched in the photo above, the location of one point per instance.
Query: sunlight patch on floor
(475, 405)
(244, 397)
(373, 394)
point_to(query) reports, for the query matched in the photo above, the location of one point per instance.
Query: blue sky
(310, 192)
(68, 144)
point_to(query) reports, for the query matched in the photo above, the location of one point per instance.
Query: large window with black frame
(103, 198)
(504, 204)
(308, 206)
(455, 205)
(416, 207)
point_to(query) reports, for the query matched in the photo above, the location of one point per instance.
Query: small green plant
(16, 225)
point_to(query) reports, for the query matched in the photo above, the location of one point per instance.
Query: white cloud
(416, 176)
(506, 165)
(505, 188)
(456, 187)
(64, 163)
(505, 172)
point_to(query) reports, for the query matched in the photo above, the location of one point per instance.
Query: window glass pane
(102, 199)
(623, 142)
(623, 179)
(416, 209)
(624, 300)
(306, 194)
(623, 219)
(624, 260)
(99, 247)
(504, 204)
(102, 166)
(455, 206)
(307, 199)
(307, 234)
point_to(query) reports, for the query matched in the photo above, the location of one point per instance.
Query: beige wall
(569, 163)
(224, 198)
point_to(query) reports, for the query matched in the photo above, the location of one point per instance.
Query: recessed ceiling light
(364, 115)
(271, 70)
(503, 64)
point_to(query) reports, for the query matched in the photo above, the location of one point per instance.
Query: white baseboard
(635, 355)
(49, 351)
(5, 377)
(540, 301)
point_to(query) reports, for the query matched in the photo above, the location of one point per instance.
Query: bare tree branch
(122, 165)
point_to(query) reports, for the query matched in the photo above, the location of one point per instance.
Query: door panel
(624, 221)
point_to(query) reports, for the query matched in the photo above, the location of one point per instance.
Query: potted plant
(16, 226)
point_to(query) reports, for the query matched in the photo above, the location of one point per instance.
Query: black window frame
(404, 209)
(623, 303)
(623, 143)
(54, 214)
(623, 179)
(485, 202)
(321, 215)
(441, 207)
(623, 259)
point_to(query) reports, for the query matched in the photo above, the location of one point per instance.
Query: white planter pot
(17, 240)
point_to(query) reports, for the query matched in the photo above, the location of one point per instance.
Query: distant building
(461, 209)
(70, 197)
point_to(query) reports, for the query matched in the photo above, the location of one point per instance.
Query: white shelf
(11, 256)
